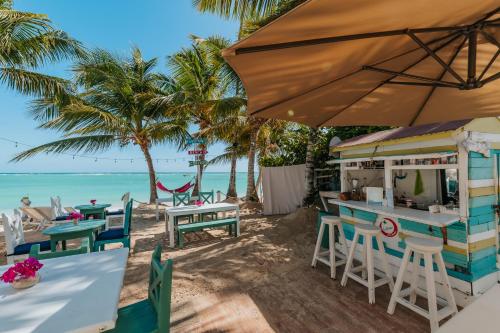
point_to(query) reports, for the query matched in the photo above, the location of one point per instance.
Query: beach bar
(431, 181)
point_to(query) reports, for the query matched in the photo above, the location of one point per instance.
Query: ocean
(79, 188)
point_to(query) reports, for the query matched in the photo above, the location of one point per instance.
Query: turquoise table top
(70, 227)
(89, 207)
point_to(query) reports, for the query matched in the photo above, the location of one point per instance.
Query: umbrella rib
(328, 40)
(490, 38)
(489, 65)
(411, 76)
(491, 78)
(433, 89)
(387, 80)
(454, 35)
(435, 56)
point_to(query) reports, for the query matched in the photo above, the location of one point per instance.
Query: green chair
(207, 198)
(153, 313)
(116, 235)
(182, 199)
(35, 251)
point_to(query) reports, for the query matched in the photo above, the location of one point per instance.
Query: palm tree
(241, 9)
(204, 83)
(234, 131)
(28, 42)
(117, 101)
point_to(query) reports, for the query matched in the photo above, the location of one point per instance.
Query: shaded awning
(364, 62)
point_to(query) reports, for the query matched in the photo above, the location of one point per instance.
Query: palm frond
(31, 83)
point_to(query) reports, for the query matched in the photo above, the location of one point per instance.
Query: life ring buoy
(388, 227)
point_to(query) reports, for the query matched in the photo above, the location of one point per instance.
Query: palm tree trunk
(310, 190)
(251, 190)
(231, 190)
(153, 194)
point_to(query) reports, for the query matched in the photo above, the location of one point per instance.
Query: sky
(158, 27)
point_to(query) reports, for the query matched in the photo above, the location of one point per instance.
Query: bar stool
(426, 248)
(367, 266)
(329, 257)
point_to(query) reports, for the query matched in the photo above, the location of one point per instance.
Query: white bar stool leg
(399, 281)
(370, 269)
(383, 258)
(331, 243)
(318, 244)
(431, 291)
(350, 258)
(414, 279)
(343, 239)
(364, 259)
(446, 280)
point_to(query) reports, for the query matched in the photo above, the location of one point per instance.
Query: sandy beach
(259, 282)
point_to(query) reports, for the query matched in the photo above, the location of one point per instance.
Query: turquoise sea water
(79, 188)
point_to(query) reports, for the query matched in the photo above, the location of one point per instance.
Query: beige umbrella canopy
(365, 62)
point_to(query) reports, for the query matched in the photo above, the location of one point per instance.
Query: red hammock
(182, 189)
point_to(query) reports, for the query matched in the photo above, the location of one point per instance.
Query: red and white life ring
(388, 227)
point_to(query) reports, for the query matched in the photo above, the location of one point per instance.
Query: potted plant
(23, 274)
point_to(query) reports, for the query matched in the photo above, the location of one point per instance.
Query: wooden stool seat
(367, 229)
(367, 268)
(426, 248)
(424, 244)
(329, 257)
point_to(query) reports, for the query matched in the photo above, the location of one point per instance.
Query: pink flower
(21, 270)
(75, 216)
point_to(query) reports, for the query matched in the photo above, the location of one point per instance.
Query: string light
(18, 144)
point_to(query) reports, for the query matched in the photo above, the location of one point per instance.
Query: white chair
(329, 257)
(367, 268)
(59, 214)
(118, 213)
(426, 248)
(16, 246)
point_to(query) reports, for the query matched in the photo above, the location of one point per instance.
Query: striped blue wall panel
(457, 232)
(359, 214)
(476, 211)
(480, 173)
(345, 211)
(455, 258)
(486, 200)
(478, 255)
(475, 229)
(484, 218)
(485, 263)
(420, 228)
(473, 154)
(481, 162)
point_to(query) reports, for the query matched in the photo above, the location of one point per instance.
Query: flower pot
(75, 221)
(26, 283)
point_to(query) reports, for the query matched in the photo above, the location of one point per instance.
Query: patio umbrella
(365, 62)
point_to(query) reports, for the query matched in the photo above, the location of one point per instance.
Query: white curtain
(283, 188)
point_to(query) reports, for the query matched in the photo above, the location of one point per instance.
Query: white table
(171, 212)
(482, 316)
(75, 294)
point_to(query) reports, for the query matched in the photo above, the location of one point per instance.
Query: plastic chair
(116, 235)
(153, 313)
(35, 251)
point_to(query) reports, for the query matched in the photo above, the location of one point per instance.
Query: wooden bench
(190, 227)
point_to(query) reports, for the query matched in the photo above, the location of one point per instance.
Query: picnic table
(77, 293)
(171, 212)
(97, 210)
(66, 231)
